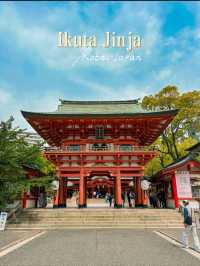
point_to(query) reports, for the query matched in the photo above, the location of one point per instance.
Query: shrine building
(180, 180)
(99, 145)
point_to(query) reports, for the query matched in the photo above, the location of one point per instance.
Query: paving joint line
(174, 241)
(19, 243)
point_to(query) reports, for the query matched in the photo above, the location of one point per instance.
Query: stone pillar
(82, 198)
(118, 191)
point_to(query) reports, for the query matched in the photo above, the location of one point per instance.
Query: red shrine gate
(100, 140)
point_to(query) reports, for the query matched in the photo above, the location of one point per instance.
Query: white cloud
(166, 59)
(104, 92)
(176, 55)
(40, 41)
(5, 96)
(163, 75)
(45, 102)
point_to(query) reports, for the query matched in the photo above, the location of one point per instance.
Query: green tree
(179, 135)
(15, 155)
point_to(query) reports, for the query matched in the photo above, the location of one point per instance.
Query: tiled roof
(100, 107)
(96, 108)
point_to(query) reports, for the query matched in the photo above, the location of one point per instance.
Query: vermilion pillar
(60, 200)
(138, 191)
(85, 189)
(174, 190)
(24, 200)
(118, 191)
(82, 191)
(65, 190)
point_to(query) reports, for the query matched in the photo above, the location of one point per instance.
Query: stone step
(95, 218)
(108, 211)
(119, 226)
(98, 220)
(92, 221)
(96, 215)
(99, 214)
(81, 211)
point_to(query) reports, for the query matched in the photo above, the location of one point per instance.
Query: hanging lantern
(70, 184)
(145, 185)
(55, 184)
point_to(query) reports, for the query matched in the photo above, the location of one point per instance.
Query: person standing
(163, 200)
(190, 227)
(110, 199)
(153, 199)
(158, 199)
(94, 194)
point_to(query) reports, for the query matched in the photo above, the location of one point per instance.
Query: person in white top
(190, 227)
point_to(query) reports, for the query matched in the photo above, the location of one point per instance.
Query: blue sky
(35, 73)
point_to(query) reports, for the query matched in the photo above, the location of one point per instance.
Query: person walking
(123, 199)
(129, 198)
(132, 197)
(190, 227)
(77, 199)
(110, 199)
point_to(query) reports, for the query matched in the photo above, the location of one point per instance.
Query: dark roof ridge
(193, 146)
(63, 114)
(135, 101)
(187, 157)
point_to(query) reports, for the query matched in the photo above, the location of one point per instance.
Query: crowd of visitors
(126, 196)
(158, 200)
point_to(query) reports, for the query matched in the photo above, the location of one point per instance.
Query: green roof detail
(100, 107)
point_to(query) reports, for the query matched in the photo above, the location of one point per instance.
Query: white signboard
(183, 184)
(3, 218)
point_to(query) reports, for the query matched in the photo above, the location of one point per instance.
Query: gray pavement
(177, 235)
(7, 237)
(99, 248)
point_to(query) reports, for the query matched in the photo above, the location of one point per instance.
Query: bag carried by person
(188, 218)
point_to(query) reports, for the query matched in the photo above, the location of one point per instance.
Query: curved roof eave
(27, 114)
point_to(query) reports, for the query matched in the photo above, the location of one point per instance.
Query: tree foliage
(181, 133)
(15, 155)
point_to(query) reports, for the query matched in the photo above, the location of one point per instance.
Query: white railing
(106, 148)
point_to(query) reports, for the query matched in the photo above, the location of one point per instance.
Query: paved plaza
(97, 247)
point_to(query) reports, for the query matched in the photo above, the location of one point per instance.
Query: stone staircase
(96, 218)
